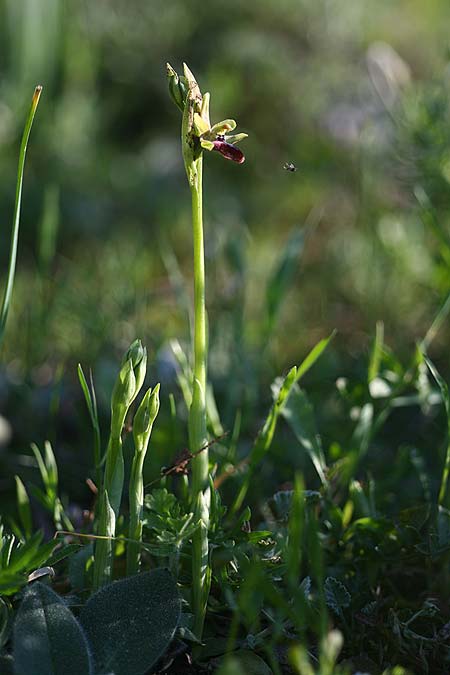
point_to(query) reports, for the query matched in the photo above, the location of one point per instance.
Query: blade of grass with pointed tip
(91, 402)
(315, 353)
(435, 326)
(429, 218)
(443, 491)
(23, 507)
(377, 352)
(16, 218)
(266, 433)
(40, 462)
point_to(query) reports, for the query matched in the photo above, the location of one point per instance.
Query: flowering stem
(197, 135)
(197, 416)
(197, 413)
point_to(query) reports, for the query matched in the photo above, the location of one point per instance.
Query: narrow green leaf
(41, 464)
(86, 392)
(443, 497)
(313, 356)
(23, 506)
(10, 584)
(65, 552)
(282, 393)
(436, 324)
(377, 352)
(52, 468)
(91, 403)
(363, 432)
(16, 218)
(22, 555)
(47, 638)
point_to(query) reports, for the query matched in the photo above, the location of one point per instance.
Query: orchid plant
(197, 135)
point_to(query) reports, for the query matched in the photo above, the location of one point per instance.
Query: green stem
(108, 511)
(114, 472)
(197, 417)
(197, 413)
(136, 510)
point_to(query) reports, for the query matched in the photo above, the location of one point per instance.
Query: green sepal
(205, 108)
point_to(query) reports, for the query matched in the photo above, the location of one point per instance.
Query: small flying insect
(289, 166)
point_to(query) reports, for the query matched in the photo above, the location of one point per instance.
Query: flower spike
(197, 132)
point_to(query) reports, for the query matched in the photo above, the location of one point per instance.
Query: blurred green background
(355, 94)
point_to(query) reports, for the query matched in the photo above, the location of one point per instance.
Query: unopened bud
(145, 417)
(177, 87)
(124, 389)
(137, 354)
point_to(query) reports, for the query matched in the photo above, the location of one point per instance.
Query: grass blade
(16, 219)
(377, 352)
(313, 356)
(23, 506)
(91, 402)
(442, 497)
(265, 435)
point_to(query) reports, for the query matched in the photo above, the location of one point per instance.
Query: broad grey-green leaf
(337, 596)
(47, 638)
(131, 622)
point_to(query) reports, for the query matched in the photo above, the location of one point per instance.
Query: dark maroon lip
(229, 151)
